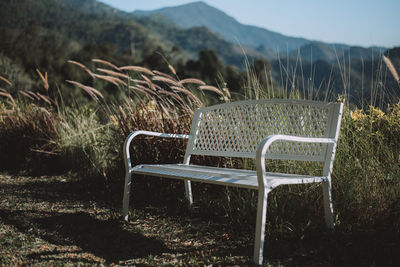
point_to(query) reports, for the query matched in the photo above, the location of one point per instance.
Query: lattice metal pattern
(239, 129)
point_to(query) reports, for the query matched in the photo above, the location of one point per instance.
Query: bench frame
(265, 181)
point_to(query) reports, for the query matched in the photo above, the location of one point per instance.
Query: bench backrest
(236, 129)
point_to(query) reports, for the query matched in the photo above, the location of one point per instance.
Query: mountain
(263, 41)
(71, 20)
(65, 27)
(45, 34)
(314, 51)
(200, 14)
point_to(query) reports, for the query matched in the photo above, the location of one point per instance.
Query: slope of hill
(48, 32)
(63, 19)
(200, 14)
(45, 34)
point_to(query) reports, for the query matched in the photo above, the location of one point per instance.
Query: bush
(28, 139)
(367, 168)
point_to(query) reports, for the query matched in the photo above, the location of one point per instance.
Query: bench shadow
(59, 190)
(85, 190)
(106, 239)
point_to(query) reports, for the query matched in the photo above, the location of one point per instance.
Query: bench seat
(222, 176)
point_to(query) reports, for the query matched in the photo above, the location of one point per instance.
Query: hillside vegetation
(38, 37)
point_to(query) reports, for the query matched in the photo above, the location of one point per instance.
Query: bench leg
(188, 191)
(328, 207)
(260, 226)
(125, 200)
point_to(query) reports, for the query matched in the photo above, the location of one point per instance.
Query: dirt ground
(58, 221)
(51, 221)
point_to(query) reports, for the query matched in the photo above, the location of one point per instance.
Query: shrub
(28, 138)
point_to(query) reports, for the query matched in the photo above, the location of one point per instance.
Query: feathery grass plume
(111, 79)
(46, 99)
(123, 113)
(172, 69)
(191, 80)
(89, 90)
(165, 110)
(44, 79)
(164, 75)
(81, 66)
(227, 92)
(143, 90)
(26, 95)
(114, 73)
(45, 111)
(165, 79)
(211, 88)
(138, 81)
(148, 81)
(105, 78)
(153, 92)
(186, 92)
(5, 80)
(173, 95)
(9, 96)
(390, 66)
(138, 69)
(104, 62)
(33, 95)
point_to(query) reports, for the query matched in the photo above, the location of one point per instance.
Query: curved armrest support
(268, 141)
(128, 165)
(132, 135)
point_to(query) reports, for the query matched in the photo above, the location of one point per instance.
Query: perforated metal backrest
(236, 129)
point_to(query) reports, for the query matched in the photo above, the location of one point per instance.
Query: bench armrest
(132, 135)
(268, 141)
(128, 165)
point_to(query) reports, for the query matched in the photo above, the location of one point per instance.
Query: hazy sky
(354, 22)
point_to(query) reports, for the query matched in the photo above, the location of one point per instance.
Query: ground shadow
(84, 190)
(106, 239)
(59, 189)
(337, 248)
(114, 241)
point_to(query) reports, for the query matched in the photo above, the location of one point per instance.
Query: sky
(353, 22)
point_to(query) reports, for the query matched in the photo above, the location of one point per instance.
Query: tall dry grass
(88, 140)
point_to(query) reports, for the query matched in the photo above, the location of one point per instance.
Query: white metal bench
(259, 129)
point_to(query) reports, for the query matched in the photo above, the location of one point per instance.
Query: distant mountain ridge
(314, 51)
(200, 14)
(267, 42)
